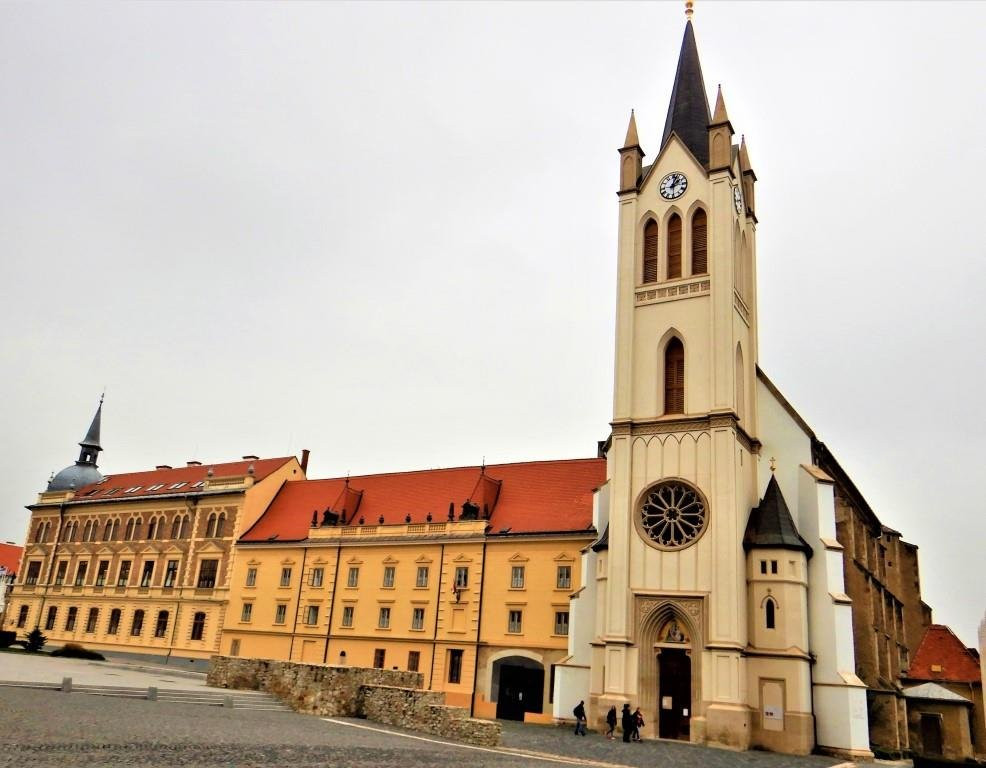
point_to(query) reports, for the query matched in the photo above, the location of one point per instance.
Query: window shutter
(674, 247)
(674, 377)
(700, 247)
(650, 252)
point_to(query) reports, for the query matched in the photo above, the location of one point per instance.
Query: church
(714, 564)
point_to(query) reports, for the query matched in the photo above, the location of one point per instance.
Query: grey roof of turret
(771, 526)
(91, 440)
(688, 110)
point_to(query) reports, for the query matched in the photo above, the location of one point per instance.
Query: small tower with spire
(631, 158)
(720, 138)
(84, 471)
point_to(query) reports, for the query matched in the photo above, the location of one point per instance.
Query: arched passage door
(518, 687)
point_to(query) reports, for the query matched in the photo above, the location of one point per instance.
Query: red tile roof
(10, 557)
(941, 647)
(533, 496)
(116, 486)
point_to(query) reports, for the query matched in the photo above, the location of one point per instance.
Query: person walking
(579, 713)
(611, 723)
(638, 723)
(626, 723)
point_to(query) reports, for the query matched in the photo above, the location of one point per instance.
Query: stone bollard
(151, 693)
(66, 685)
(227, 702)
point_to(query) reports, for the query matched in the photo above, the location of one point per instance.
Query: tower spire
(688, 111)
(91, 440)
(631, 139)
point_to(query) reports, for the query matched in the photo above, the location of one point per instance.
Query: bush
(35, 641)
(7, 638)
(76, 651)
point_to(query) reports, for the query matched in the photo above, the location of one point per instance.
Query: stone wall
(386, 696)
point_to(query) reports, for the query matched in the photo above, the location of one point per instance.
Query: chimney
(193, 463)
(304, 460)
(163, 466)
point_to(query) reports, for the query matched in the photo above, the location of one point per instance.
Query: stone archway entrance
(518, 687)
(674, 693)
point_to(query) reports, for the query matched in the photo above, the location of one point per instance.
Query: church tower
(673, 626)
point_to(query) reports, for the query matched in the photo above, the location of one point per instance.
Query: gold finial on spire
(773, 464)
(689, 9)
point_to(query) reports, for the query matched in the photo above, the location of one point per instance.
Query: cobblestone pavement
(48, 728)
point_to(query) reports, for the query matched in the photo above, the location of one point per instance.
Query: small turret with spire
(720, 137)
(749, 178)
(631, 158)
(84, 471)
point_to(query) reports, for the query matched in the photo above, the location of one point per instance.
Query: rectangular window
(285, 577)
(517, 577)
(455, 665)
(347, 615)
(246, 613)
(561, 622)
(60, 573)
(73, 612)
(33, 572)
(773, 566)
(317, 575)
(413, 661)
(147, 573)
(234, 647)
(763, 567)
(162, 624)
(422, 578)
(80, 573)
(384, 619)
(22, 617)
(352, 580)
(462, 577)
(91, 620)
(388, 576)
(171, 573)
(379, 656)
(280, 613)
(418, 619)
(251, 579)
(101, 570)
(207, 574)
(563, 579)
(50, 621)
(124, 576)
(515, 620)
(311, 615)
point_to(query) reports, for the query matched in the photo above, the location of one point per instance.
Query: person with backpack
(627, 723)
(579, 713)
(638, 723)
(611, 723)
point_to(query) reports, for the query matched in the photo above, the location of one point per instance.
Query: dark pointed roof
(688, 111)
(771, 526)
(91, 440)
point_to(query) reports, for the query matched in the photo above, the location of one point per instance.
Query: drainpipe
(332, 602)
(438, 600)
(297, 607)
(194, 509)
(479, 629)
(54, 552)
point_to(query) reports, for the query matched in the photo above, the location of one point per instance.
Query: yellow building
(139, 562)
(462, 574)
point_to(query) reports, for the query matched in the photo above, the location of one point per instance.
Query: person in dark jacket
(627, 723)
(638, 723)
(579, 713)
(611, 722)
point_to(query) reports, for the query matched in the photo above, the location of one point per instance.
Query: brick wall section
(386, 696)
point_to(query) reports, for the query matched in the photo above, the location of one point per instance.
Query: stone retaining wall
(386, 696)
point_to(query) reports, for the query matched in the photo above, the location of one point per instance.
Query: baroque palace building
(714, 565)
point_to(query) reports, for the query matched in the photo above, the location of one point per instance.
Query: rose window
(673, 515)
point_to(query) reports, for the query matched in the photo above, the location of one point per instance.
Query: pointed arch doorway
(674, 678)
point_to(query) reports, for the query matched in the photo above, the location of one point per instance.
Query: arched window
(769, 609)
(700, 243)
(116, 530)
(137, 626)
(740, 384)
(210, 528)
(198, 626)
(129, 534)
(114, 626)
(220, 522)
(176, 527)
(674, 246)
(650, 252)
(86, 530)
(108, 530)
(162, 624)
(152, 528)
(39, 533)
(184, 528)
(674, 377)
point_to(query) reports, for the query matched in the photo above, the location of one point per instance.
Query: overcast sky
(387, 233)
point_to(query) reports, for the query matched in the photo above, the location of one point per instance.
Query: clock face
(673, 185)
(738, 199)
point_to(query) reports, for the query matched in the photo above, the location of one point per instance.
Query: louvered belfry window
(674, 247)
(674, 377)
(700, 240)
(650, 252)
